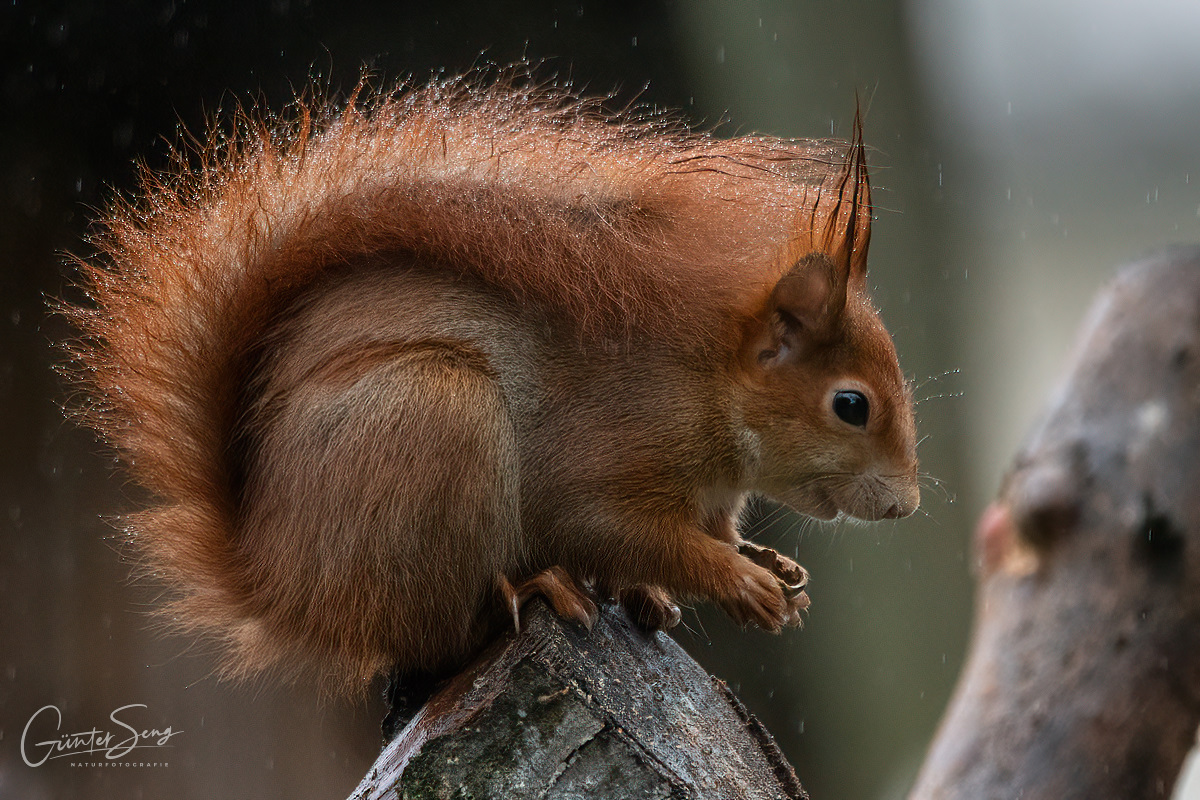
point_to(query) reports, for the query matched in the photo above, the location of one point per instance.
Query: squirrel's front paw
(755, 595)
(793, 578)
(768, 589)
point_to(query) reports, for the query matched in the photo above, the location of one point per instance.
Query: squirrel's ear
(803, 311)
(829, 260)
(807, 303)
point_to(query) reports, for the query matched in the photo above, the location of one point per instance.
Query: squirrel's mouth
(872, 498)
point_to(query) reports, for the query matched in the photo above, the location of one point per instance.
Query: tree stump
(1083, 679)
(559, 712)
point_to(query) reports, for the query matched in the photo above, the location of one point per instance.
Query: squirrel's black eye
(852, 408)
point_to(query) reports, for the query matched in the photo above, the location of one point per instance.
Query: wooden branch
(1084, 674)
(560, 712)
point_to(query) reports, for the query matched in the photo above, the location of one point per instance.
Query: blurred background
(1021, 151)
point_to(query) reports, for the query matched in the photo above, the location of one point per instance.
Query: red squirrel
(390, 369)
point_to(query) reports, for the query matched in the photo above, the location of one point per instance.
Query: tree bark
(559, 712)
(1083, 679)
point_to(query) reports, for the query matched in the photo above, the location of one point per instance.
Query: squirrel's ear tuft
(847, 230)
(838, 223)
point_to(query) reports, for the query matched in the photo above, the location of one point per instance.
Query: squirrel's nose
(904, 506)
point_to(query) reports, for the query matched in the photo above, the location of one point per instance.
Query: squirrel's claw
(511, 600)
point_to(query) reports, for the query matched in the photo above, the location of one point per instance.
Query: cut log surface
(1083, 679)
(560, 712)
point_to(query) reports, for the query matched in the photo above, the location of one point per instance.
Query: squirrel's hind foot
(650, 607)
(565, 594)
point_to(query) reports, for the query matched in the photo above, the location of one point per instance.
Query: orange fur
(372, 360)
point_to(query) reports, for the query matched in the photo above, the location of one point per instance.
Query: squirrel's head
(825, 403)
